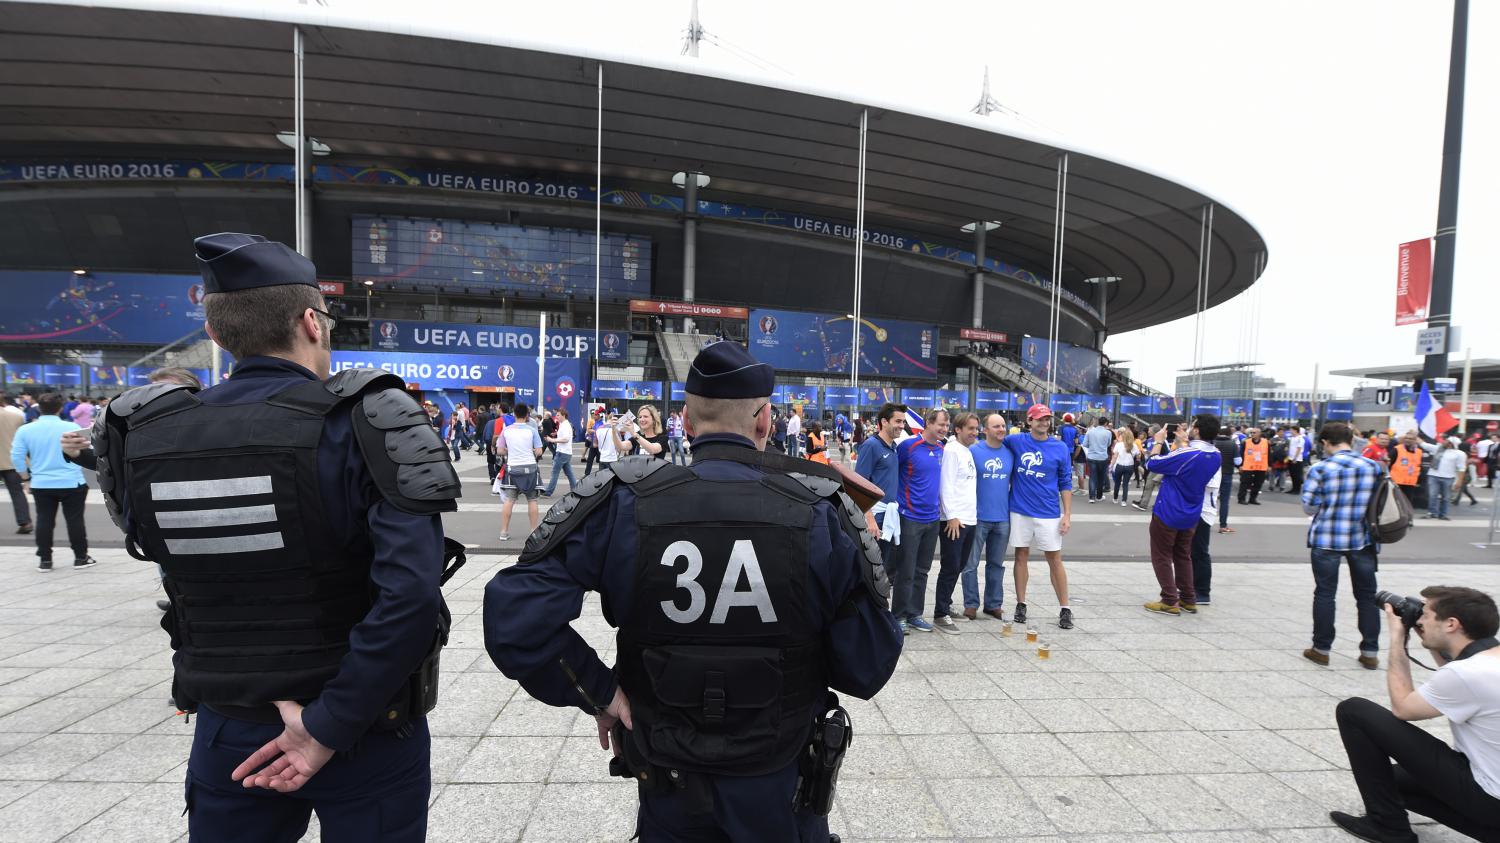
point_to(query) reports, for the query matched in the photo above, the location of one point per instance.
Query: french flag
(1433, 419)
(914, 422)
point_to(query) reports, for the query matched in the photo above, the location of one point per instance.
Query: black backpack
(1278, 449)
(1388, 513)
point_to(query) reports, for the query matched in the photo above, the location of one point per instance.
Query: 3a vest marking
(742, 560)
(225, 544)
(225, 487)
(190, 518)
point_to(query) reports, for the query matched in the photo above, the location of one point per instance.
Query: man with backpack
(1336, 493)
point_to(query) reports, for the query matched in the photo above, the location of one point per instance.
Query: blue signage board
(878, 395)
(1137, 405)
(841, 396)
(679, 392)
(1210, 406)
(1340, 410)
(1023, 400)
(992, 399)
(1302, 409)
(819, 342)
(805, 395)
(1275, 409)
(460, 372)
(460, 338)
(626, 390)
(1066, 404)
(1238, 408)
(953, 398)
(62, 375)
(413, 251)
(1078, 367)
(60, 308)
(23, 374)
(111, 376)
(1099, 405)
(1404, 400)
(919, 399)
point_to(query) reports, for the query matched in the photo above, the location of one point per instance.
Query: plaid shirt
(1336, 494)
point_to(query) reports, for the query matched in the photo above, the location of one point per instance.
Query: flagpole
(1463, 404)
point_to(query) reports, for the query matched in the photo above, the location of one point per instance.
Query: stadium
(448, 196)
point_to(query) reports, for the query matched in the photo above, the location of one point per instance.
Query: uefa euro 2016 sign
(822, 342)
(405, 335)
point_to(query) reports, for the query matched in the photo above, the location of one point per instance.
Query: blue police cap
(231, 262)
(726, 370)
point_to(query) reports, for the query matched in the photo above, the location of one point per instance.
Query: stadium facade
(450, 204)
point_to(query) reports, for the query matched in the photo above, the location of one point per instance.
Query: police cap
(726, 370)
(231, 262)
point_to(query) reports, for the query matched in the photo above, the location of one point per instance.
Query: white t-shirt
(1123, 455)
(520, 439)
(793, 425)
(607, 450)
(564, 434)
(957, 492)
(1468, 693)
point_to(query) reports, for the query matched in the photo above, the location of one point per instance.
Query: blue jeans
(991, 538)
(562, 463)
(913, 560)
(1226, 483)
(1122, 475)
(679, 456)
(954, 557)
(1098, 479)
(1362, 566)
(1437, 495)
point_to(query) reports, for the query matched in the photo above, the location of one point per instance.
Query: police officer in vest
(297, 522)
(742, 587)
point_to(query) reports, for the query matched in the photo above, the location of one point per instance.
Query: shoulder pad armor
(354, 381)
(131, 401)
(872, 566)
(565, 515)
(633, 469)
(407, 460)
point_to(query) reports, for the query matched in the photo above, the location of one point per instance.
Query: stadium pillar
(689, 242)
(1440, 307)
(979, 232)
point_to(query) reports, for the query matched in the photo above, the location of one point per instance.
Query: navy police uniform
(297, 522)
(741, 594)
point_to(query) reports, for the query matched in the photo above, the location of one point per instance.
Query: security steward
(742, 587)
(296, 519)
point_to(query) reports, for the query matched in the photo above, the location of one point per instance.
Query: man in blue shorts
(1041, 507)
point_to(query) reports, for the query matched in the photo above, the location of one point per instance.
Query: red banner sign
(331, 288)
(680, 308)
(982, 335)
(1413, 281)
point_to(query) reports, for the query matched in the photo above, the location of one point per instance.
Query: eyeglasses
(332, 320)
(756, 414)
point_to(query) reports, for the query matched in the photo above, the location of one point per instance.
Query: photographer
(1459, 787)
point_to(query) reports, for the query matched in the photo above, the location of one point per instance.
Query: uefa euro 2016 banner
(1078, 367)
(460, 372)
(461, 338)
(546, 187)
(525, 259)
(821, 342)
(61, 308)
(626, 391)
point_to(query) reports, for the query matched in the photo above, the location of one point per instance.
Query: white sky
(1322, 122)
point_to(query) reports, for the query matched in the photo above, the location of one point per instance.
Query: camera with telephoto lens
(1408, 609)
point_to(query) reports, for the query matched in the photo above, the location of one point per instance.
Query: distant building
(1230, 380)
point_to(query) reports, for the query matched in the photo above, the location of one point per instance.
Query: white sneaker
(505, 537)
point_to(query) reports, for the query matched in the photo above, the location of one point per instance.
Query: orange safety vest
(1257, 457)
(1406, 467)
(816, 441)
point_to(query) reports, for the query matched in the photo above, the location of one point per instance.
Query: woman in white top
(613, 442)
(1122, 459)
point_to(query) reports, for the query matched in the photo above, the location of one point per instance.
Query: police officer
(741, 592)
(296, 520)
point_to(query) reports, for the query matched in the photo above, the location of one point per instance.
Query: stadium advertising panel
(401, 335)
(414, 251)
(840, 396)
(61, 308)
(1238, 408)
(992, 399)
(627, 391)
(478, 373)
(1137, 405)
(1275, 409)
(820, 342)
(1210, 406)
(62, 375)
(1099, 405)
(1078, 368)
(141, 375)
(953, 397)
(109, 376)
(919, 399)
(1340, 410)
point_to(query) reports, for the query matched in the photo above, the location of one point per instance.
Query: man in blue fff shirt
(743, 587)
(876, 461)
(1041, 507)
(993, 463)
(920, 460)
(297, 525)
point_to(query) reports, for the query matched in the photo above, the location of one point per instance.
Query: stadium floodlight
(680, 179)
(989, 225)
(314, 145)
(368, 283)
(80, 272)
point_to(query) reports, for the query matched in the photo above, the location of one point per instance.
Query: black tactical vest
(722, 658)
(226, 499)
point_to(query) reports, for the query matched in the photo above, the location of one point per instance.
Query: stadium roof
(1484, 373)
(151, 78)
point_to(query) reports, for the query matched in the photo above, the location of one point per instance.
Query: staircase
(1128, 386)
(1007, 372)
(678, 352)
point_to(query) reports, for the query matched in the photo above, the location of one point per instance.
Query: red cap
(1038, 411)
(1068, 418)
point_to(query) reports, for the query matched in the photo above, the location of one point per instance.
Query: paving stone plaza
(1139, 727)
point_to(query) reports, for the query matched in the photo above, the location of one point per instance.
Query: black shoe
(1253, 503)
(1020, 613)
(1065, 619)
(85, 562)
(164, 605)
(44, 565)
(1367, 829)
(23, 529)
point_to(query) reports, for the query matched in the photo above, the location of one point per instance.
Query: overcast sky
(1322, 122)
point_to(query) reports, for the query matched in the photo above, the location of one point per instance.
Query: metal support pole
(1440, 307)
(1463, 403)
(859, 252)
(979, 237)
(1059, 226)
(689, 241)
(1200, 301)
(300, 147)
(598, 207)
(541, 364)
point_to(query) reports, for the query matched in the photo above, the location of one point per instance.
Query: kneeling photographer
(1459, 786)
